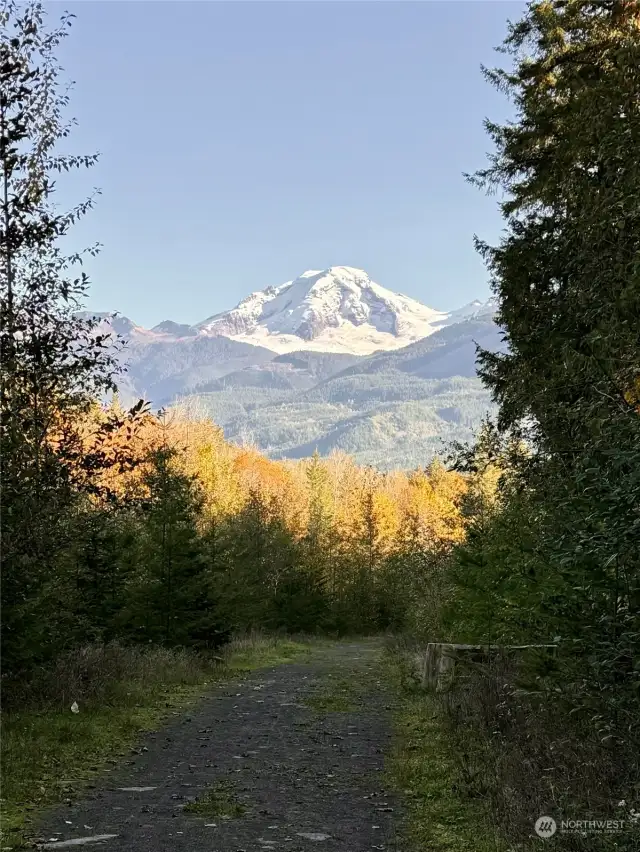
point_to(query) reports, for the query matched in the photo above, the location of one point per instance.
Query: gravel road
(289, 759)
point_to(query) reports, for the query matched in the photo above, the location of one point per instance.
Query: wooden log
(438, 665)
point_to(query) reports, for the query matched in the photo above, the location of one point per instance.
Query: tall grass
(526, 750)
(440, 816)
(499, 748)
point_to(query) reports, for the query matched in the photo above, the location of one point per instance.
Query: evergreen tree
(54, 363)
(566, 275)
(320, 542)
(557, 557)
(173, 593)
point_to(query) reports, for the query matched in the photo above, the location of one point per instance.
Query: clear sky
(245, 142)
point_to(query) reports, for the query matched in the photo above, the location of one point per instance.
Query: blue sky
(244, 142)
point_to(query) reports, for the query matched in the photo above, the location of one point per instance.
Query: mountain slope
(448, 352)
(346, 365)
(392, 410)
(162, 370)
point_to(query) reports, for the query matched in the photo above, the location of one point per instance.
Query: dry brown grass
(95, 674)
(531, 754)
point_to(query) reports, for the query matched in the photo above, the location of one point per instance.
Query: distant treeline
(187, 538)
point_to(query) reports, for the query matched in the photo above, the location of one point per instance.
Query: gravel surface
(300, 777)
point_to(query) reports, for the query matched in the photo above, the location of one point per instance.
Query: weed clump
(219, 801)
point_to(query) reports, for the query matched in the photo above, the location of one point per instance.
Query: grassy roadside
(49, 755)
(423, 769)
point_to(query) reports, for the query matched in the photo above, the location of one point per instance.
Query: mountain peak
(339, 309)
(174, 329)
(335, 310)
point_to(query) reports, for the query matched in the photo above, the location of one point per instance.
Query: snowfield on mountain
(336, 310)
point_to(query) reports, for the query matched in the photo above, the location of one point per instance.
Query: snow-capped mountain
(331, 360)
(339, 309)
(473, 310)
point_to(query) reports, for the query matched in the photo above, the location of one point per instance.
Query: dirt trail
(296, 776)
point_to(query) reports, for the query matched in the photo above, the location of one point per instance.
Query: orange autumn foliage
(362, 503)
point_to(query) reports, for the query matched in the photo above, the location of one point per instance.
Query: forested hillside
(424, 394)
(394, 410)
